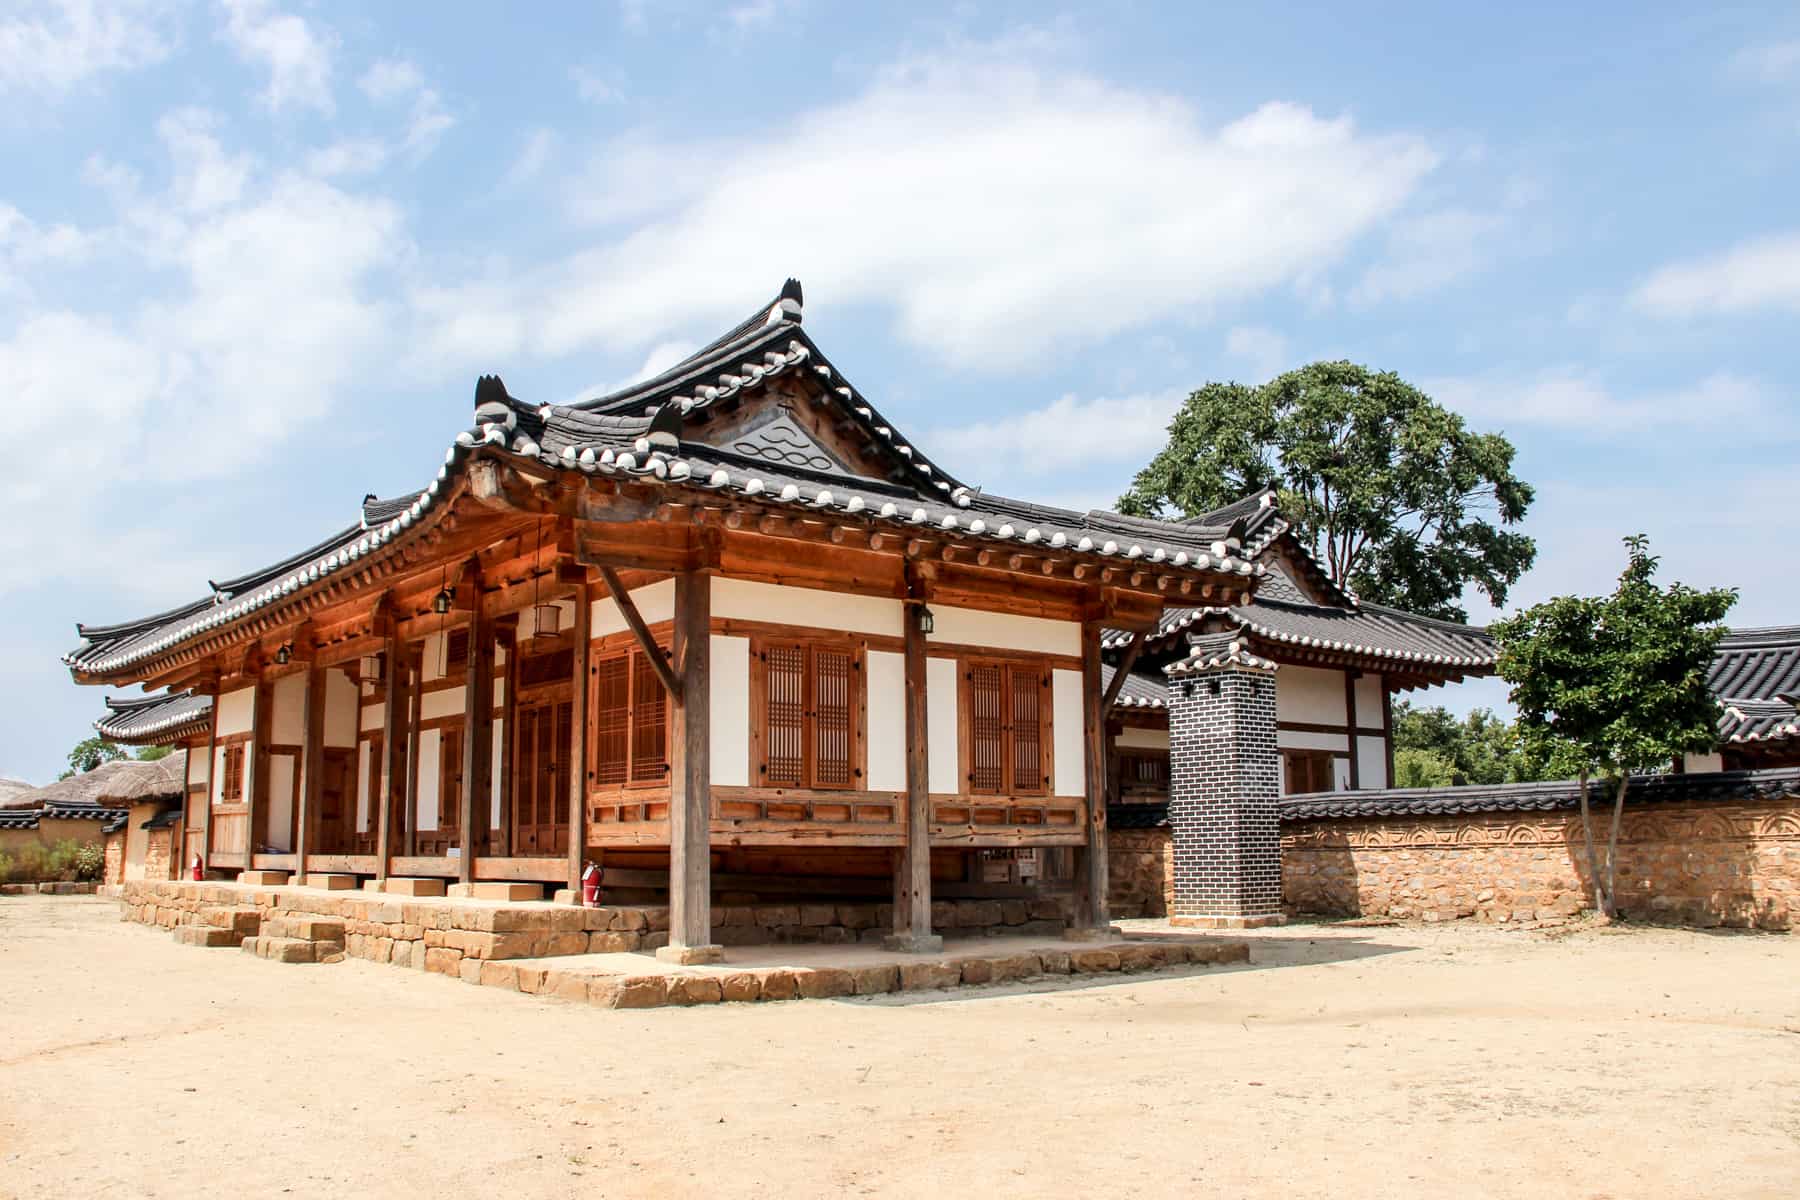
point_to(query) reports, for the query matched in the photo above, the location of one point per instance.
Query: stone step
(306, 927)
(293, 950)
(331, 882)
(205, 935)
(263, 878)
(407, 886)
(496, 891)
(244, 920)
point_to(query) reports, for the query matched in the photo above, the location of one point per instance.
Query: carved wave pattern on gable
(782, 441)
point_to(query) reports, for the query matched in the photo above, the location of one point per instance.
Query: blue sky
(253, 255)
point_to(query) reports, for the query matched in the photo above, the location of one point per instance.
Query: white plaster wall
(365, 781)
(427, 775)
(279, 831)
(137, 839)
(941, 763)
(1132, 737)
(199, 769)
(1340, 771)
(655, 602)
(565, 619)
(886, 673)
(371, 717)
(237, 711)
(287, 707)
(1703, 762)
(729, 697)
(1371, 762)
(445, 703)
(749, 600)
(494, 774)
(1368, 702)
(1004, 631)
(1309, 694)
(1291, 739)
(1067, 734)
(340, 709)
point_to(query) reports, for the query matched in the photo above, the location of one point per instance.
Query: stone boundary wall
(1140, 872)
(437, 935)
(1704, 865)
(48, 889)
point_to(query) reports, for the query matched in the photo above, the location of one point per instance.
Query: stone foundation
(1702, 864)
(1140, 872)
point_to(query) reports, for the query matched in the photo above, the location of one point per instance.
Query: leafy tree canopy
(1432, 748)
(1388, 488)
(90, 752)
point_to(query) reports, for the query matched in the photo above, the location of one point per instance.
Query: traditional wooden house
(727, 620)
(1342, 661)
(1756, 676)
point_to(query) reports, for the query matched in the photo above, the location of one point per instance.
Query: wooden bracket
(1121, 671)
(640, 631)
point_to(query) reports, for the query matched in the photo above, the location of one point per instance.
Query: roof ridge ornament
(789, 305)
(665, 427)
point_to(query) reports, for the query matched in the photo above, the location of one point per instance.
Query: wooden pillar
(212, 787)
(1090, 883)
(256, 811)
(393, 746)
(1350, 723)
(312, 769)
(578, 728)
(415, 695)
(690, 778)
(478, 741)
(507, 635)
(912, 882)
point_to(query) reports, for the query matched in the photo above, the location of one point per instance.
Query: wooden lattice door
(541, 779)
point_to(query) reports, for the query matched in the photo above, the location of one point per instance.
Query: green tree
(1615, 684)
(152, 753)
(1387, 487)
(90, 752)
(1435, 748)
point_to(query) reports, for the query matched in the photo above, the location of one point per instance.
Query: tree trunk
(1612, 848)
(1602, 899)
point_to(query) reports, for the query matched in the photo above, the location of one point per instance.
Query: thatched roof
(125, 781)
(13, 793)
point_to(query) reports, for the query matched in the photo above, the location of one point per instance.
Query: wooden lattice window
(1144, 773)
(1308, 771)
(630, 729)
(1005, 708)
(231, 786)
(808, 699)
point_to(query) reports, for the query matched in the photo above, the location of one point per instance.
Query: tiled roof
(1755, 674)
(1217, 650)
(28, 818)
(640, 433)
(1541, 797)
(1140, 690)
(1367, 631)
(154, 720)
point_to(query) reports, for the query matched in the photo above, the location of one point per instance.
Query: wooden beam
(393, 747)
(1091, 880)
(478, 742)
(580, 683)
(641, 631)
(1121, 671)
(312, 768)
(690, 777)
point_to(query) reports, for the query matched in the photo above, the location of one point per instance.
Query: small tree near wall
(1616, 684)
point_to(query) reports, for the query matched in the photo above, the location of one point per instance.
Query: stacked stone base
(48, 889)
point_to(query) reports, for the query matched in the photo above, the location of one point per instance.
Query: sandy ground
(1343, 1062)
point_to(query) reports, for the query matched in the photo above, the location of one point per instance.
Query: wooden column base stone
(689, 956)
(1104, 933)
(399, 886)
(913, 943)
(1261, 922)
(263, 878)
(331, 882)
(496, 891)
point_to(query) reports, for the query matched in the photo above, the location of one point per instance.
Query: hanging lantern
(371, 668)
(546, 621)
(284, 654)
(440, 603)
(926, 622)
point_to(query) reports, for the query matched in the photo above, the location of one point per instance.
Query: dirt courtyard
(1342, 1062)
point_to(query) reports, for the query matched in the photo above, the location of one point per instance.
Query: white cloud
(757, 14)
(595, 86)
(202, 380)
(1578, 400)
(54, 45)
(1067, 432)
(661, 358)
(533, 155)
(1070, 210)
(1771, 63)
(1426, 253)
(297, 57)
(1261, 348)
(1756, 274)
(351, 156)
(394, 80)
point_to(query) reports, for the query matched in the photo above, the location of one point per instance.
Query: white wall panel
(943, 768)
(494, 774)
(340, 709)
(1068, 733)
(886, 673)
(279, 829)
(237, 711)
(288, 708)
(730, 697)
(1371, 762)
(1368, 702)
(1310, 695)
(1004, 631)
(655, 602)
(366, 777)
(372, 716)
(749, 600)
(1293, 739)
(445, 703)
(199, 768)
(427, 775)
(1143, 739)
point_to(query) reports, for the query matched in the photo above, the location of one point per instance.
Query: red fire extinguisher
(590, 886)
(199, 871)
